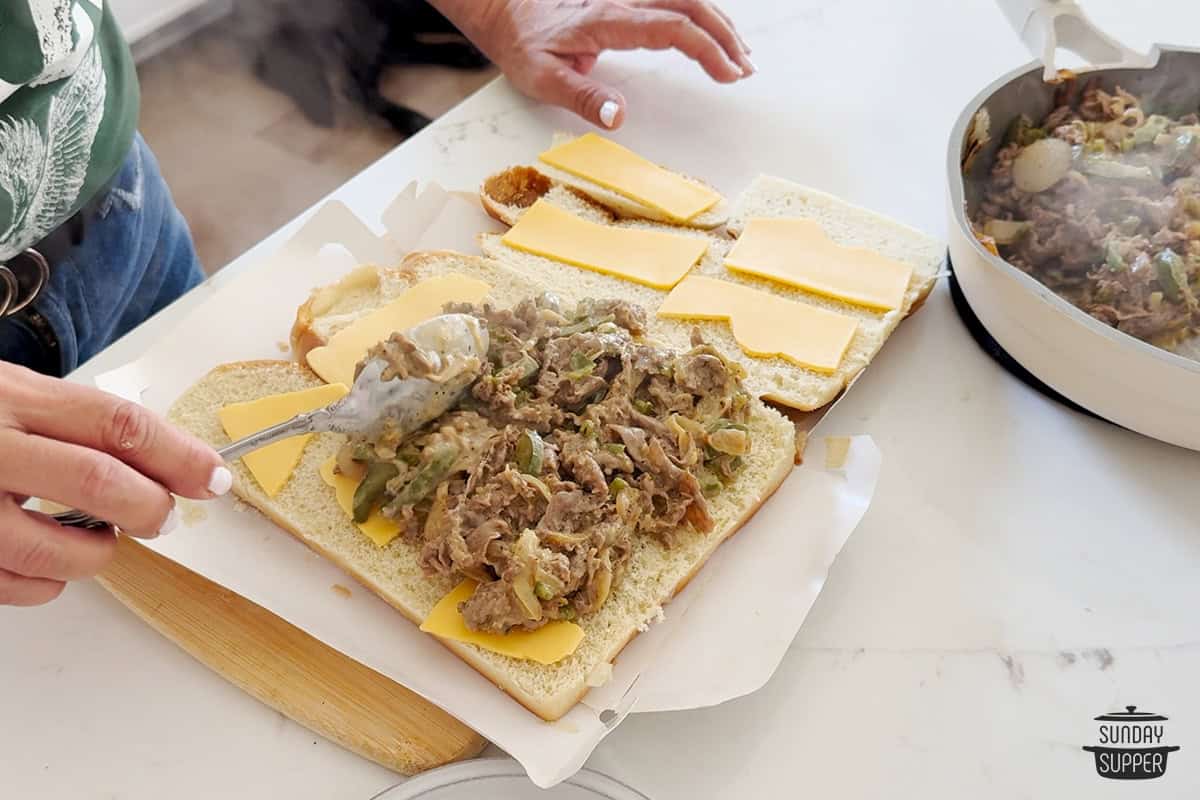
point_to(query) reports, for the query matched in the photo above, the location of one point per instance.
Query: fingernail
(221, 481)
(748, 67)
(171, 522)
(608, 113)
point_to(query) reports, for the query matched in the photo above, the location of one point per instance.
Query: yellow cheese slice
(797, 252)
(552, 642)
(378, 528)
(765, 324)
(335, 361)
(618, 168)
(273, 464)
(650, 257)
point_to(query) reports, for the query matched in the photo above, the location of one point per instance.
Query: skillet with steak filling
(1100, 201)
(575, 439)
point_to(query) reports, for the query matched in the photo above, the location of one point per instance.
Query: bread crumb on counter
(657, 616)
(600, 675)
(343, 591)
(193, 513)
(801, 443)
(837, 448)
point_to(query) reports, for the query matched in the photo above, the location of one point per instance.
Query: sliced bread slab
(518, 187)
(774, 379)
(306, 508)
(507, 194)
(331, 308)
(847, 224)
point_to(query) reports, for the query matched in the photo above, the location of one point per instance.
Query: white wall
(152, 25)
(139, 18)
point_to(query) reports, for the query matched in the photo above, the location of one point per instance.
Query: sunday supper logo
(1131, 745)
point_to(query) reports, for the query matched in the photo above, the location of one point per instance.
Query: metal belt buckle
(20, 288)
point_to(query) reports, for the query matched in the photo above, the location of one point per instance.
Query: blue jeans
(136, 257)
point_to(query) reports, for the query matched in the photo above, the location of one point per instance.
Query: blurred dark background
(258, 108)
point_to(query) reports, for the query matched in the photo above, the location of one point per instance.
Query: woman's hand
(548, 47)
(83, 448)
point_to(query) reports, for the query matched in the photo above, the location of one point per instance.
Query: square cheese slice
(272, 465)
(765, 324)
(336, 361)
(649, 257)
(797, 252)
(618, 168)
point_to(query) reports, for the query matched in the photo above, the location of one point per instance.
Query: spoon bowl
(456, 347)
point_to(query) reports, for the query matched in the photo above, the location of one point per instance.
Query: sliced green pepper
(542, 590)
(723, 422)
(1112, 258)
(710, 485)
(1021, 131)
(581, 366)
(1129, 225)
(617, 486)
(724, 466)
(585, 325)
(530, 449)
(644, 406)
(1149, 130)
(616, 448)
(428, 476)
(567, 612)
(1171, 273)
(372, 488)
(520, 371)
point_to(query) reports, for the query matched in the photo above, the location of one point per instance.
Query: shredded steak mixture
(1100, 201)
(403, 357)
(576, 439)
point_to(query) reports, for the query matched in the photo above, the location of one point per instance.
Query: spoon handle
(300, 424)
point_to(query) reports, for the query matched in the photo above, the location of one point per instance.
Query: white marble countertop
(1021, 570)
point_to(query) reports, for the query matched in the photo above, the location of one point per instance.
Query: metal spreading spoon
(456, 345)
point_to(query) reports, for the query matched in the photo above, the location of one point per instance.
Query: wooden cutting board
(284, 667)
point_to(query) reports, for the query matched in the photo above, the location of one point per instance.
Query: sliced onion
(522, 584)
(1101, 167)
(731, 441)
(1041, 165)
(536, 483)
(523, 589)
(601, 586)
(566, 541)
(1006, 231)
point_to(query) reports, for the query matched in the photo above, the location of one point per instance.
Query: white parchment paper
(716, 641)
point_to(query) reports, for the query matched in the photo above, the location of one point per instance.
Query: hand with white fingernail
(547, 49)
(82, 448)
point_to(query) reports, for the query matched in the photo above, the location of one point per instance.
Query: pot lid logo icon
(1131, 745)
